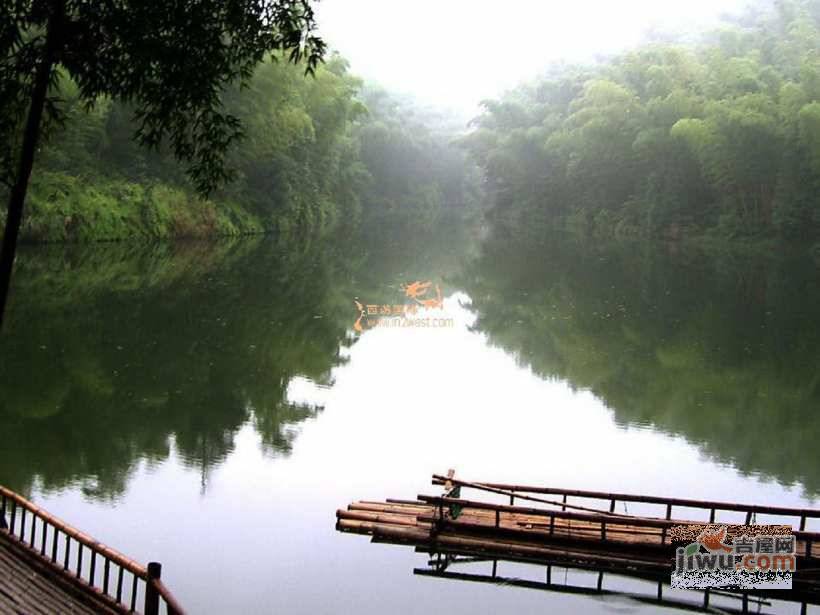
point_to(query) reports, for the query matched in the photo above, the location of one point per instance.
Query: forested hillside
(314, 155)
(721, 138)
(417, 171)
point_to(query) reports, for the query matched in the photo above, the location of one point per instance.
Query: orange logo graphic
(420, 295)
(417, 291)
(714, 539)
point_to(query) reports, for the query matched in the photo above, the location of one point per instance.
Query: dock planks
(49, 566)
(26, 588)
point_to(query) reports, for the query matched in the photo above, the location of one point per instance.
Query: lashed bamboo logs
(553, 530)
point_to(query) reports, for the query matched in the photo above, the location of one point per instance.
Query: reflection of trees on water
(278, 425)
(101, 371)
(113, 354)
(723, 352)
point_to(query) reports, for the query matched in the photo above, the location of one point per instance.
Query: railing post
(668, 516)
(151, 593)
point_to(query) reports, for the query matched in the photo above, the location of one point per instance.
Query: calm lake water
(210, 405)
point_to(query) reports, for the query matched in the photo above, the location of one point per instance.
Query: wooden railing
(607, 521)
(588, 511)
(104, 573)
(526, 493)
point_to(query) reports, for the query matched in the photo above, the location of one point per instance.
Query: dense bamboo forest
(717, 138)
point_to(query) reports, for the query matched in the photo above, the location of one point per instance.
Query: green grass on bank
(61, 207)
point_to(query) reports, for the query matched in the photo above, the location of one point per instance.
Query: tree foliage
(720, 137)
(417, 170)
(170, 61)
(317, 152)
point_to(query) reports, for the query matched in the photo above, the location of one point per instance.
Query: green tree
(170, 60)
(714, 138)
(417, 171)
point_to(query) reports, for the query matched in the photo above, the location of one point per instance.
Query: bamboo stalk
(357, 515)
(394, 508)
(514, 493)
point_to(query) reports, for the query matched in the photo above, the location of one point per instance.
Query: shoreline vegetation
(712, 146)
(318, 153)
(63, 208)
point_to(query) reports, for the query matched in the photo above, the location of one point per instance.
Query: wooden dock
(47, 566)
(26, 588)
(582, 530)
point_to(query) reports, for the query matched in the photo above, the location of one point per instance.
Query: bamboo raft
(47, 566)
(570, 528)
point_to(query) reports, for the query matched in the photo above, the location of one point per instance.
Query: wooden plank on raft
(705, 505)
(567, 533)
(538, 525)
(549, 532)
(591, 517)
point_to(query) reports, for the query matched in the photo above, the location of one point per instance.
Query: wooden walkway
(47, 566)
(25, 588)
(571, 528)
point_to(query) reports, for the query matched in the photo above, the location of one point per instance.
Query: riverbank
(709, 243)
(65, 208)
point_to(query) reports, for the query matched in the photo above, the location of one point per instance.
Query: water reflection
(614, 590)
(725, 352)
(115, 354)
(137, 375)
(109, 357)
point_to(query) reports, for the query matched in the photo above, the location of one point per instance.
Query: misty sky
(456, 52)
